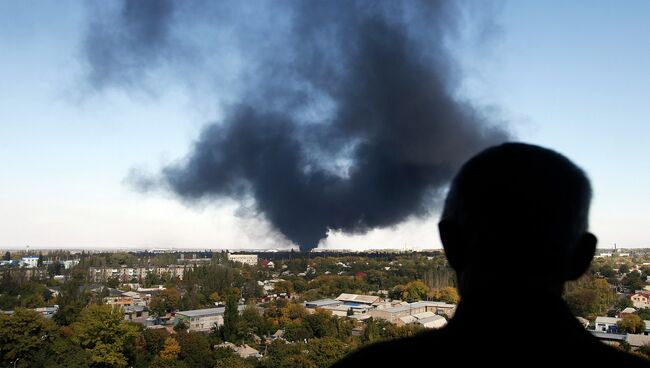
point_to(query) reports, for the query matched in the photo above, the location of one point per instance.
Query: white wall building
(249, 259)
(606, 324)
(31, 261)
(204, 319)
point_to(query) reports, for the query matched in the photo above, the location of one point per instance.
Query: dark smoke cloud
(348, 117)
(122, 44)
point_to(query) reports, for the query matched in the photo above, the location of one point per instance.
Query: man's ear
(450, 236)
(582, 256)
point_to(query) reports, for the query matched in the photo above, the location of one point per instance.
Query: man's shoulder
(407, 350)
(448, 347)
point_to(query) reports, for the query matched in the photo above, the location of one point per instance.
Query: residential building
(30, 261)
(249, 259)
(641, 299)
(68, 264)
(126, 274)
(204, 319)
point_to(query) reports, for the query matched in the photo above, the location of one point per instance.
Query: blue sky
(573, 76)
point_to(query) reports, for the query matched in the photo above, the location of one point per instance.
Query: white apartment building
(31, 261)
(249, 259)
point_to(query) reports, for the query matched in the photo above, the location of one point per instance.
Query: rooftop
(609, 320)
(207, 311)
(365, 299)
(322, 303)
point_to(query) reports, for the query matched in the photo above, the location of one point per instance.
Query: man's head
(518, 206)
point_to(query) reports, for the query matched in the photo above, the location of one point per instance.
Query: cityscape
(264, 309)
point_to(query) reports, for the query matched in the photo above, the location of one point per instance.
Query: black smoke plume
(347, 117)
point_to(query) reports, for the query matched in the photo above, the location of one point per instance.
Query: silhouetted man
(514, 227)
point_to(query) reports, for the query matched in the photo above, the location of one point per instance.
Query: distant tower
(27, 249)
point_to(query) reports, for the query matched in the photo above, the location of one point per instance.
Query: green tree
(165, 301)
(644, 313)
(232, 361)
(447, 295)
(283, 287)
(372, 332)
(631, 323)
(195, 349)
(283, 355)
(622, 303)
(7, 256)
(54, 268)
(623, 269)
(321, 323)
(154, 340)
(252, 321)
(113, 282)
(230, 326)
(64, 353)
(170, 350)
(326, 351)
(23, 335)
(607, 271)
(415, 291)
(632, 281)
(102, 332)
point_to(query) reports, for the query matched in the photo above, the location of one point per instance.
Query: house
(55, 291)
(244, 351)
(137, 314)
(267, 263)
(607, 324)
(626, 311)
(204, 319)
(117, 298)
(641, 299)
(137, 299)
(279, 334)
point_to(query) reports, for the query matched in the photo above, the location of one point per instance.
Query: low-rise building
(30, 261)
(204, 319)
(641, 299)
(359, 299)
(392, 314)
(321, 303)
(606, 324)
(249, 259)
(244, 351)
